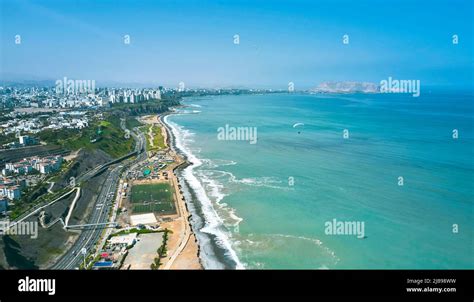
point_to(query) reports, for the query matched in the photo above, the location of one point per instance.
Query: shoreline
(181, 201)
(182, 245)
(215, 253)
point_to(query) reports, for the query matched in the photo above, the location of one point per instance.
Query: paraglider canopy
(298, 125)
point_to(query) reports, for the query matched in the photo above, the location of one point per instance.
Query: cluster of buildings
(43, 165)
(18, 124)
(11, 185)
(84, 94)
(10, 189)
(58, 120)
(132, 95)
(51, 97)
(69, 120)
(23, 141)
(115, 251)
(151, 168)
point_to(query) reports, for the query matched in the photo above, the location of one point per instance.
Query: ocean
(401, 166)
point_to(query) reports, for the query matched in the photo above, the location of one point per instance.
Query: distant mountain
(346, 87)
(23, 80)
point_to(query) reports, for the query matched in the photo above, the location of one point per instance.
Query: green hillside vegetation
(148, 107)
(7, 138)
(105, 135)
(131, 122)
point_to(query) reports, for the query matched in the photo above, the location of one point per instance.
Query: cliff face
(347, 87)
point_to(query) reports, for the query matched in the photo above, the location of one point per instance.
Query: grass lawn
(158, 139)
(152, 198)
(159, 207)
(152, 193)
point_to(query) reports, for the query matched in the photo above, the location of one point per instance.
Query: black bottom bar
(418, 284)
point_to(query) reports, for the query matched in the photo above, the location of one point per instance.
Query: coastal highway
(100, 212)
(141, 155)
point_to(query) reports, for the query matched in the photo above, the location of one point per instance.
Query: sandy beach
(183, 248)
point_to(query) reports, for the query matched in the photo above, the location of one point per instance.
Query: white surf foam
(215, 188)
(266, 181)
(313, 240)
(213, 223)
(263, 242)
(216, 163)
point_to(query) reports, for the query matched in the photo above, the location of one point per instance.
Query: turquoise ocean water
(270, 200)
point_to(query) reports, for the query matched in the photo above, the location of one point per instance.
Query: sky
(279, 42)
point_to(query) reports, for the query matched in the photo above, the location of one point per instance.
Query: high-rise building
(3, 205)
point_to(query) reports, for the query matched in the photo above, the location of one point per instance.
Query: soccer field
(152, 193)
(165, 208)
(152, 198)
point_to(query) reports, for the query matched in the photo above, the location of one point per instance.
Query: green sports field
(152, 198)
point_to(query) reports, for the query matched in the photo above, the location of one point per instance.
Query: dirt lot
(141, 256)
